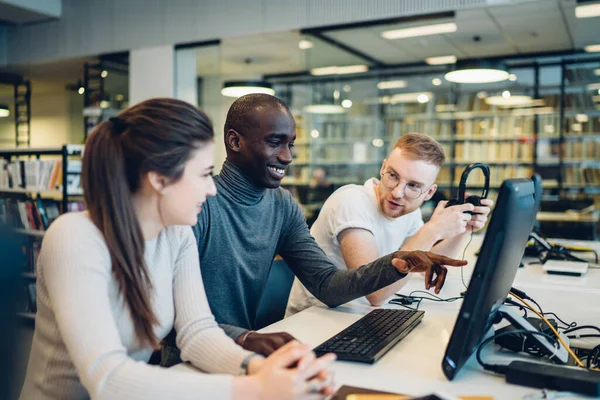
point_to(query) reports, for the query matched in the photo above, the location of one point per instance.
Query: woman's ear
(157, 181)
(233, 140)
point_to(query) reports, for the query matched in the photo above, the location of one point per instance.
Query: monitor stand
(512, 314)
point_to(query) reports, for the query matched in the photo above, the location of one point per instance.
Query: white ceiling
(507, 29)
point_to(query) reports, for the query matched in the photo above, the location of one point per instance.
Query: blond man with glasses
(359, 224)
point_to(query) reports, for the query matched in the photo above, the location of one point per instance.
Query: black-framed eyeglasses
(411, 190)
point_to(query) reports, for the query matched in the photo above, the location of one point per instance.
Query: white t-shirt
(353, 206)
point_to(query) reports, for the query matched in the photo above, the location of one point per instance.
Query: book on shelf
(29, 214)
(31, 174)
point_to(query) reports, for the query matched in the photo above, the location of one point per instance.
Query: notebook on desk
(562, 267)
(358, 393)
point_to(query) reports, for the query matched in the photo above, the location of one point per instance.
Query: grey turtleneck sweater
(240, 231)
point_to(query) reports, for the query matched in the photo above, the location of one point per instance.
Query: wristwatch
(246, 361)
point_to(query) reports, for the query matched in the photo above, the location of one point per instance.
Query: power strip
(553, 377)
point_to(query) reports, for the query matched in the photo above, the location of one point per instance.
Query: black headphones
(462, 187)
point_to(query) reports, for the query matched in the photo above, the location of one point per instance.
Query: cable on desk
(560, 339)
(580, 327)
(462, 274)
(406, 301)
(499, 368)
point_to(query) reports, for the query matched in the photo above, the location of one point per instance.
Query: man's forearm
(453, 246)
(424, 239)
(342, 286)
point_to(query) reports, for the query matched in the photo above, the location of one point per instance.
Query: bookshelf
(36, 186)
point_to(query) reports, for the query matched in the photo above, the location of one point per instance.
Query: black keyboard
(369, 338)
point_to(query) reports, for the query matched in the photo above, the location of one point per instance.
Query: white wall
(56, 117)
(91, 27)
(151, 73)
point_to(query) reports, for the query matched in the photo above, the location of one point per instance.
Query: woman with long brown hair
(114, 280)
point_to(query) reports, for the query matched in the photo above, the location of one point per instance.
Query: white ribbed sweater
(84, 343)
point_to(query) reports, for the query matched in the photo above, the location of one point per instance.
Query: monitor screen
(494, 272)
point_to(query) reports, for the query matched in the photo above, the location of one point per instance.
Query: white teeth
(278, 171)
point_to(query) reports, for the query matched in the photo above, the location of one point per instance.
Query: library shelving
(36, 186)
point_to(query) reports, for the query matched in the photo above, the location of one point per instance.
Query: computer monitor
(494, 272)
(537, 186)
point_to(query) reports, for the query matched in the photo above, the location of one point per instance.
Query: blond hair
(422, 147)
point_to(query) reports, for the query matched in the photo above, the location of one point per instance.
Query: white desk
(413, 366)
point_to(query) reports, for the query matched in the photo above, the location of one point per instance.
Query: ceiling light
(436, 81)
(314, 133)
(242, 88)
(104, 104)
(477, 72)
(576, 127)
(81, 90)
(305, 44)
(4, 111)
(336, 94)
(597, 72)
(441, 60)
(104, 73)
(347, 88)
(582, 118)
(425, 30)
(508, 100)
(391, 85)
(592, 48)
(588, 10)
(512, 77)
(335, 70)
(119, 97)
(422, 98)
(378, 142)
(346, 103)
(324, 109)
(410, 98)
(481, 95)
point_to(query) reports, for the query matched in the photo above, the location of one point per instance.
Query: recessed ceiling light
(511, 100)
(346, 103)
(378, 142)
(335, 70)
(588, 10)
(104, 73)
(506, 94)
(477, 75)
(441, 60)
(81, 90)
(305, 44)
(436, 81)
(4, 111)
(582, 118)
(242, 88)
(314, 133)
(422, 98)
(592, 48)
(481, 95)
(424, 30)
(418, 97)
(391, 84)
(324, 109)
(512, 77)
(347, 88)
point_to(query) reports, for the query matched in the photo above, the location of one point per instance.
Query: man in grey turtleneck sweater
(252, 219)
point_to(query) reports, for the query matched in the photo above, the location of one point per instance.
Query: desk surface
(413, 366)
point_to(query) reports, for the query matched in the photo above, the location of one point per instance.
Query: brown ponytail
(156, 135)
